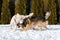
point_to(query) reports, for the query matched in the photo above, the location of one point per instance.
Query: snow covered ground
(53, 33)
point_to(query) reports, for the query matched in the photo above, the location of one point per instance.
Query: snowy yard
(53, 33)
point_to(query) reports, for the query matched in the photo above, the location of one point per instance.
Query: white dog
(18, 19)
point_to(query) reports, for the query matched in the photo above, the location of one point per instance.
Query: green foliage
(52, 7)
(37, 7)
(5, 15)
(20, 7)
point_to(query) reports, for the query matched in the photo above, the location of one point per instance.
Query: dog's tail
(47, 15)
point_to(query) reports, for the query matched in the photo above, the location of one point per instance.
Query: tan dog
(36, 20)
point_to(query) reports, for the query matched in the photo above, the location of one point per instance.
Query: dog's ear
(47, 15)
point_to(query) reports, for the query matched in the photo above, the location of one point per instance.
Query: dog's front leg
(44, 25)
(26, 28)
(14, 27)
(40, 28)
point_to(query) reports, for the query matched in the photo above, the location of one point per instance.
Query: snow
(53, 33)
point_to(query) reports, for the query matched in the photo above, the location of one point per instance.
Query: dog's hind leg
(40, 28)
(44, 25)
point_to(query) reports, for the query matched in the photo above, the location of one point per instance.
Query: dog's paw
(22, 30)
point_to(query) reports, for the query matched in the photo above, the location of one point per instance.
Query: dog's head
(24, 23)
